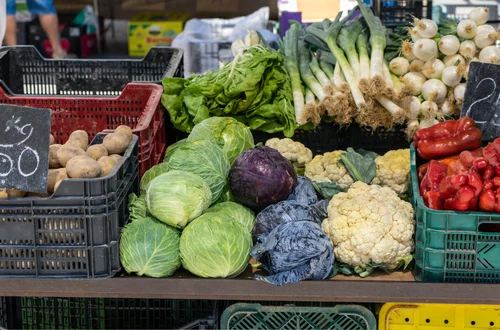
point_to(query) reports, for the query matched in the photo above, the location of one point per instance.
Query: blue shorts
(36, 7)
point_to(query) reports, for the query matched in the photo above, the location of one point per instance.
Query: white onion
(467, 29)
(485, 39)
(426, 123)
(412, 127)
(414, 34)
(468, 49)
(490, 54)
(459, 93)
(449, 45)
(453, 59)
(414, 80)
(433, 69)
(452, 75)
(429, 109)
(416, 65)
(485, 27)
(414, 107)
(426, 28)
(434, 90)
(448, 108)
(479, 15)
(407, 50)
(399, 66)
(425, 49)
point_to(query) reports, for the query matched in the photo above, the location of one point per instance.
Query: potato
(54, 176)
(52, 140)
(84, 167)
(3, 193)
(116, 143)
(79, 139)
(66, 152)
(97, 151)
(107, 163)
(115, 157)
(57, 185)
(125, 130)
(14, 193)
(38, 195)
(53, 160)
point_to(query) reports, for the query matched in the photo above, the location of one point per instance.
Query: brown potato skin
(116, 143)
(66, 152)
(3, 193)
(107, 164)
(83, 167)
(52, 140)
(79, 139)
(57, 185)
(115, 157)
(55, 176)
(14, 193)
(53, 160)
(124, 129)
(97, 151)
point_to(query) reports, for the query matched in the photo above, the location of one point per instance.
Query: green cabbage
(214, 246)
(149, 247)
(231, 135)
(204, 158)
(152, 173)
(234, 211)
(178, 197)
(171, 148)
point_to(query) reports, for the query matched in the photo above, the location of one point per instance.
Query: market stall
(350, 165)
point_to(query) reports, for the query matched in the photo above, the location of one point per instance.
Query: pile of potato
(77, 160)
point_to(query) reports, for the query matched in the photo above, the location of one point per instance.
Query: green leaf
(367, 153)
(360, 168)
(405, 262)
(341, 268)
(327, 189)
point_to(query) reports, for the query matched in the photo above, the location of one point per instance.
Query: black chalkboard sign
(24, 148)
(482, 98)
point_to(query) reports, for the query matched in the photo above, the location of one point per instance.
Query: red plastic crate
(138, 106)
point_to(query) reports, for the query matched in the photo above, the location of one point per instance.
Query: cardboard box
(147, 30)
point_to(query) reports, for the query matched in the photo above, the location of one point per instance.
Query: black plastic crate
(112, 313)
(24, 71)
(404, 11)
(379, 141)
(3, 312)
(73, 233)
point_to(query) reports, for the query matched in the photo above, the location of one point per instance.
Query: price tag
(482, 98)
(24, 148)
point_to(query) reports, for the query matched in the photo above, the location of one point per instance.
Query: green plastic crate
(452, 246)
(255, 316)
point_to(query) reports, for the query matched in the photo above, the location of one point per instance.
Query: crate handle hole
(489, 228)
(473, 323)
(407, 320)
(445, 321)
(492, 323)
(428, 321)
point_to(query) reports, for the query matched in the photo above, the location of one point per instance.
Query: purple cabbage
(260, 177)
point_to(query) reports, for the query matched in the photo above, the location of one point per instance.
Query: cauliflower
(393, 170)
(329, 168)
(370, 226)
(294, 151)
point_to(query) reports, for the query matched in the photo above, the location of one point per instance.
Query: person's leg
(50, 23)
(11, 27)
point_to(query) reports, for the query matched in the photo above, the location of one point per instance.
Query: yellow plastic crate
(404, 316)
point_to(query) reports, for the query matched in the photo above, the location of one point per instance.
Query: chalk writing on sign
(24, 146)
(482, 98)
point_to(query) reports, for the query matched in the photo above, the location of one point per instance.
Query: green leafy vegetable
(204, 158)
(171, 148)
(234, 211)
(327, 189)
(232, 136)
(152, 173)
(360, 168)
(137, 207)
(369, 154)
(254, 88)
(147, 246)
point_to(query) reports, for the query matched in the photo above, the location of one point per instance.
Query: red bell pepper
(492, 152)
(460, 192)
(489, 201)
(447, 138)
(429, 186)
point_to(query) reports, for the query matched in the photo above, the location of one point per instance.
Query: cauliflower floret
(294, 151)
(393, 170)
(329, 168)
(370, 224)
